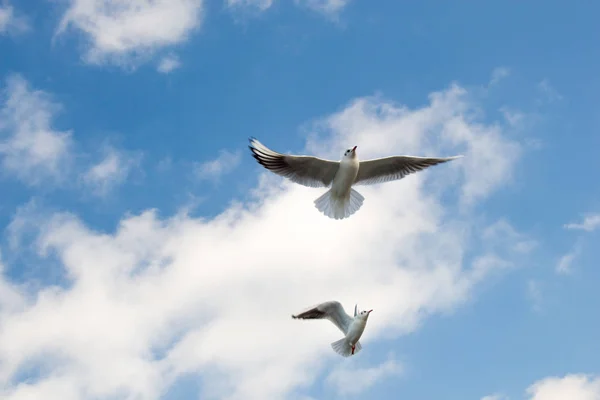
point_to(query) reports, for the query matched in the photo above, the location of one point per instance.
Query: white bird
(352, 328)
(340, 201)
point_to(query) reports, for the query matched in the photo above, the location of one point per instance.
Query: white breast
(355, 330)
(344, 178)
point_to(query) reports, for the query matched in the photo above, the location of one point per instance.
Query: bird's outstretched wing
(392, 168)
(331, 310)
(305, 170)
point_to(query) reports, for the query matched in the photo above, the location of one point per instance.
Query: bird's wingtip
(254, 143)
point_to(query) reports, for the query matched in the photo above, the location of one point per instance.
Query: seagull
(340, 201)
(353, 328)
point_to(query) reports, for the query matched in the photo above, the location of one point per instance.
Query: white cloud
(349, 380)
(161, 298)
(168, 64)
(590, 223)
(565, 263)
(36, 153)
(572, 387)
(11, 22)
(29, 148)
(224, 164)
(330, 7)
(485, 144)
(112, 170)
(372, 123)
(129, 31)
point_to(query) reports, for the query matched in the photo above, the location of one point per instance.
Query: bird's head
(364, 315)
(350, 153)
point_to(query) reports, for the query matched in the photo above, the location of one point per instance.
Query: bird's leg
(353, 347)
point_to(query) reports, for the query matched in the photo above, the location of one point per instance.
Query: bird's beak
(369, 312)
(354, 149)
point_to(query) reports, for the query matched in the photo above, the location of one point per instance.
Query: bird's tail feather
(343, 347)
(339, 207)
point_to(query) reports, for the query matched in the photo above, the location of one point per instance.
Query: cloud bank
(162, 298)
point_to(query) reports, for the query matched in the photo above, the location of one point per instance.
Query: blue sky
(142, 246)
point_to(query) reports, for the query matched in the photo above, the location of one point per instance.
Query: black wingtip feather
(269, 161)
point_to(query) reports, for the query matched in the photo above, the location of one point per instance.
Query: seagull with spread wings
(351, 327)
(341, 200)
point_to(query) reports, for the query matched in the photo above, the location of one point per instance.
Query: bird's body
(341, 200)
(345, 177)
(355, 331)
(352, 327)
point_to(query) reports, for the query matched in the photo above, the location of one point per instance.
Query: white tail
(343, 347)
(339, 207)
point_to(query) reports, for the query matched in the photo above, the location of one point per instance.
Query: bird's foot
(353, 347)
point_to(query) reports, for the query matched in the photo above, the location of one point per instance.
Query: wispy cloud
(260, 5)
(503, 232)
(224, 164)
(514, 118)
(12, 298)
(565, 263)
(499, 74)
(496, 396)
(328, 7)
(6, 16)
(30, 148)
(349, 380)
(127, 32)
(534, 293)
(36, 153)
(11, 22)
(111, 171)
(168, 64)
(548, 92)
(590, 223)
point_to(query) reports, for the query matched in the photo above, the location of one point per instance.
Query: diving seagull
(351, 327)
(340, 201)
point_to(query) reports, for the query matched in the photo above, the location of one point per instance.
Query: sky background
(145, 254)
